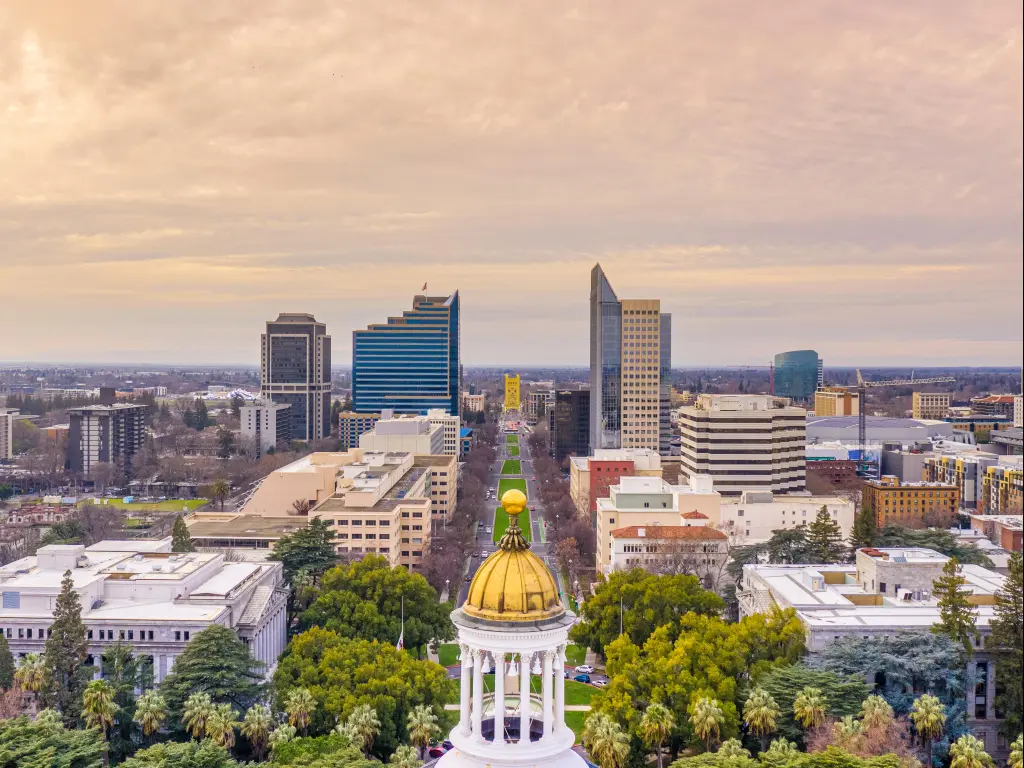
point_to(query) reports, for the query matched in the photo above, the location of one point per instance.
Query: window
(88, 634)
(881, 586)
(150, 634)
(177, 635)
(131, 634)
(186, 634)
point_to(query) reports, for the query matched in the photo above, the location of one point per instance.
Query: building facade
(411, 363)
(1002, 490)
(351, 425)
(537, 405)
(965, 471)
(266, 424)
(450, 427)
(512, 382)
(568, 423)
(993, 405)
(473, 403)
(696, 549)
(141, 593)
(295, 368)
(745, 443)
(110, 434)
(591, 477)
(798, 374)
(630, 366)
(931, 405)
(836, 401)
(911, 505)
(405, 433)
(7, 417)
(756, 515)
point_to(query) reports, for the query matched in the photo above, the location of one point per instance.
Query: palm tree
(422, 724)
(221, 724)
(732, 748)
(256, 727)
(929, 719)
(98, 708)
(150, 712)
(655, 727)
(875, 712)
(781, 747)
(300, 705)
(50, 719)
(1016, 753)
(809, 707)
(365, 726)
(31, 674)
(197, 712)
(968, 752)
(848, 727)
(405, 757)
(605, 741)
(707, 717)
(281, 735)
(760, 713)
(219, 491)
(347, 733)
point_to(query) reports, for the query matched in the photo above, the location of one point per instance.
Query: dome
(513, 584)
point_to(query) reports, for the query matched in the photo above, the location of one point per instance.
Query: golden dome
(513, 584)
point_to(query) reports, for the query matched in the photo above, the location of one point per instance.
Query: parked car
(600, 683)
(568, 675)
(473, 555)
(585, 668)
(436, 752)
(582, 678)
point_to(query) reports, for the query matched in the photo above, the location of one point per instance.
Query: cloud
(807, 163)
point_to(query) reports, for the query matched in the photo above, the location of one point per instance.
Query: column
(467, 669)
(546, 688)
(478, 693)
(524, 697)
(560, 688)
(499, 696)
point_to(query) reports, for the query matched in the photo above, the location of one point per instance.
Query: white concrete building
(7, 417)
(407, 434)
(745, 443)
(140, 593)
(266, 423)
(753, 517)
(1018, 411)
(450, 426)
(693, 547)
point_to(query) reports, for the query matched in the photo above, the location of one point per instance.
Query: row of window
(30, 633)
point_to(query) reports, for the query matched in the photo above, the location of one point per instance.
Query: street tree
(958, 618)
(1006, 642)
(65, 652)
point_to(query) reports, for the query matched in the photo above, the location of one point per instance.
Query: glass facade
(295, 368)
(797, 374)
(568, 423)
(665, 395)
(411, 363)
(605, 363)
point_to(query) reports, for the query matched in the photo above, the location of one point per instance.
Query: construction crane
(862, 421)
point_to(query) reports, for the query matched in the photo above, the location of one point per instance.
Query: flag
(424, 287)
(401, 641)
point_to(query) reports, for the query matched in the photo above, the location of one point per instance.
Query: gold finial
(513, 502)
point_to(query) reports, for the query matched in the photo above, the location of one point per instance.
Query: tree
(760, 713)
(707, 718)
(422, 726)
(306, 555)
(405, 757)
(1016, 753)
(6, 664)
(45, 743)
(825, 540)
(606, 742)
(644, 602)
(256, 727)
(221, 724)
(789, 546)
(220, 489)
(196, 713)
(180, 539)
(344, 673)
(365, 725)
(98, 708)
(958, 619)
(31, 674)
(125, 674)
(942, 541)
(217, 663)
(150, 712)
(283, 734)
(865, 529)
(929, 719)
(732, 748)
(968, 752)
(809, 707)
(655, 727)
(1007, 644)
(64, 652)
(786, 683)
(365, 599)
(875, 713)
(225, 443)
(188, 754)
(300, 705)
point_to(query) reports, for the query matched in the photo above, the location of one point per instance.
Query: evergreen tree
(865, 529)
(789, 546)
(236, 406)
(1007, 642)
(41, 743)
(957, 617)
(64, 652)
(126, 673)
(825, 539)
(200, 415)
(6, 664)
(180, 540)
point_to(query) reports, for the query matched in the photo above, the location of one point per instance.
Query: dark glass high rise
(411, 363)
(295, 368)
(797, 374)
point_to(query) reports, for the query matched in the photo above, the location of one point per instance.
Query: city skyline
(842, 181)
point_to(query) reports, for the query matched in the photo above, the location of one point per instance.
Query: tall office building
(411, 363)
(7, 417)
(295, 368)
(798, 374)
(630, 367)
(111, 433)
(568, 422)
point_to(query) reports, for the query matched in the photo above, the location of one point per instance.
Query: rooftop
(912, 555)
(247, 526)
(667, 532)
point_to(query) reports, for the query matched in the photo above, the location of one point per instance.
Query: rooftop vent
(157, 567)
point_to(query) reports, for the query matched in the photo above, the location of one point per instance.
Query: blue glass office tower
(797, 374)
(411, 363)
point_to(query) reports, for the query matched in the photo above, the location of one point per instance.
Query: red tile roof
(668, 532)
(694, 515)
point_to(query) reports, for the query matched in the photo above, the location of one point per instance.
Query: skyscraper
(798, 374)
(411, 363)
(630, 368)
(295, 368)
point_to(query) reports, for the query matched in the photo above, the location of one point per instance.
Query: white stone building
(266, 423)
(756, 514)
(408, 434)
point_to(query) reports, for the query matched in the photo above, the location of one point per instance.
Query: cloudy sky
(842, 176)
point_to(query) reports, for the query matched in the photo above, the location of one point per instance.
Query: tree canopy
(26, 743)
(64, 653)
(343, 673)
(958, 618)
(843, 694)
(833, 757)
(188, 754)
(180, 540)
(1007, 643)
(647, 601)
(825, 541)
(365, 600)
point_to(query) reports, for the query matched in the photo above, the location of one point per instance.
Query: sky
(845, 177)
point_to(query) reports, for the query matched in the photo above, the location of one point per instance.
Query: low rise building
(979, 427)
(450, 426)
(266, 424)
(139, 592)
(993, 405)
(930, 405)
(1005, 531)
(836, 401)
(880, 429)
(758, 514)
(911, 505)
(590, 477)
(696, 549)
(407, 433)
(352, 425)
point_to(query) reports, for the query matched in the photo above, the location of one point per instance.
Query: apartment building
(1002, 488)
(836, 401)
(745, 443)
(450, 426)
(7, 417)
(964, 470)
(931, 405)
(266, 424)
(295, 368)
(911, 505)
(473, 403)
(538, 404)
(141, 593)
(993, 405)
(590, 477)
(110, 434)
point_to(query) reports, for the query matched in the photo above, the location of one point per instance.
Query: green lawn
(513, 450)
(508, 483)
(575, 655)
(501, 523)
(578, 693)
(511, 467)
(575, 721)
(448, 654)
(512, 439)
(172, 505)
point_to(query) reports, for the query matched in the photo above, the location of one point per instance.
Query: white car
(585, 669)
(599, 683)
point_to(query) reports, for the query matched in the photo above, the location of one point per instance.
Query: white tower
(513, 624)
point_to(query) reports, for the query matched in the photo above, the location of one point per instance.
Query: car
(436, 752)
(582, 678)
(600, 683)
(447, 745)
(468, 578)
(483, 554)
(585, 668)
(533, 509)
(473, 555)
